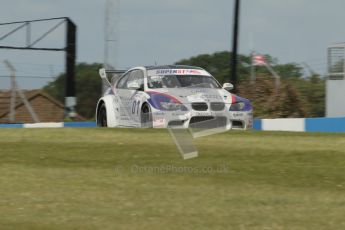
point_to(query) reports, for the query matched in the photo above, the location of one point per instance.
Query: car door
(120, 100)
(130, 98)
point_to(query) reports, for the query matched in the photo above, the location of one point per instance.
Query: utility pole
(70, 92)
(233, 79)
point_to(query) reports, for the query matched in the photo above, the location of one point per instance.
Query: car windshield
(182, 81)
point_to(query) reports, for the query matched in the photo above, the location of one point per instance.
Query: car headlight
(239, 106)
(165, 102)
(172, 106)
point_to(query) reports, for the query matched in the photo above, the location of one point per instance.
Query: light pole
(233, 79)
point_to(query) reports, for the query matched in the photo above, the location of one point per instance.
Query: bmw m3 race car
(170, 96)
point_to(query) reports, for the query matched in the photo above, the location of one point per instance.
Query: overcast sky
(149, 31)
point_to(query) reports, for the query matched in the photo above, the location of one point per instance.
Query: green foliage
(289, 70)
(88, 86)
(312, 91)
(285, 71)
(218, 64)
(270, 101)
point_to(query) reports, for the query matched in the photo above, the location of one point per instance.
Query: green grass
(89, 179)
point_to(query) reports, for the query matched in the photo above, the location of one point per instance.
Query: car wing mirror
(228, 86)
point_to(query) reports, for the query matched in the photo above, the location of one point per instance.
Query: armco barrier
(281, 124)
(257, 124)
(11, 126)
(322, 124)
(335, 124)
(284, 124)
(50, 125)
(80, 124)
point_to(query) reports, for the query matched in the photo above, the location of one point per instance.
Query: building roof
(5, 100)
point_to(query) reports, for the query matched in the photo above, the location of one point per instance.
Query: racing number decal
(135, 107)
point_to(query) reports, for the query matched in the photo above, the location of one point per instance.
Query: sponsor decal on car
(159, 122)
(178, 72)
(236, 115)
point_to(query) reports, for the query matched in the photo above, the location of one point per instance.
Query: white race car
(170, 96)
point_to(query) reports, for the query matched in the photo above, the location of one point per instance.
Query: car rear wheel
(102, 116)
(146, 116)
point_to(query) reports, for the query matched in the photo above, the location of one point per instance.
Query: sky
(163, 32)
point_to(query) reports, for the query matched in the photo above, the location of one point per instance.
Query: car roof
(172, 67)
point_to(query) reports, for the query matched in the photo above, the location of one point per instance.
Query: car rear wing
(115, 73)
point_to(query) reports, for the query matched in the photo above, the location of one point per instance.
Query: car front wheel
(102, 116)
(146, 116)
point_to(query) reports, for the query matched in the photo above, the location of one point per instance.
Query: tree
(271, 102)
(218, 64)
(312, 90)
(88, 87)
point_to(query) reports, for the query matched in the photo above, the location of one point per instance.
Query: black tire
(146, 116)
(102, 116)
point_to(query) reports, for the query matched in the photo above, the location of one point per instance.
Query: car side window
(136, 76)
(123, 80)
